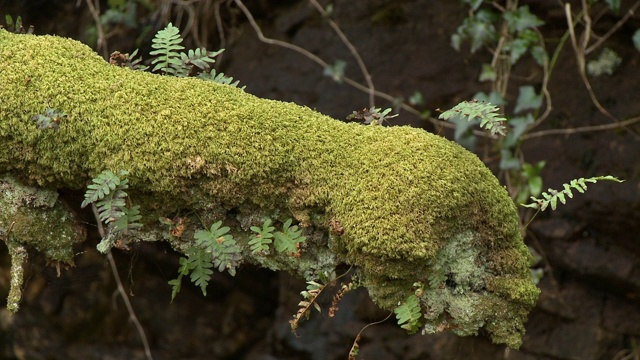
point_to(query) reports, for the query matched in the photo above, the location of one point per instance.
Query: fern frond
(289, 238)
(167, 44)
(221, 246)
(553, 196)
(309, 299)
(485, 112)
(408, 314)
(260, 241)
(104, 184)
(200, 58)
(219, 78)
(128, 219)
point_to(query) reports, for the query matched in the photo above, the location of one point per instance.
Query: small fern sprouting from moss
(487, 113)
(170, 60)
(107, 192)
(551, 197)
(167, 43)
(409, 312)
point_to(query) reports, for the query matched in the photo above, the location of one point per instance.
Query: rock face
(416, 212)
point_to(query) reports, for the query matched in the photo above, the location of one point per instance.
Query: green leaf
(528, 100)
(288, 239)
(409, 314)
(518, 126)
(129, 219)
(488, 74)
(260, 241)
(614, 5)
(508, 161)
(336, 71)
(636, 39)
(521, 19)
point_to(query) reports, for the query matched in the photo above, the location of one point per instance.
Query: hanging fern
(553, 196)
(408, 314)
(214, 248)
(221, 246)
(260, 241)
(486, 112)
(289, 238)
(107, 192)
(314, 289)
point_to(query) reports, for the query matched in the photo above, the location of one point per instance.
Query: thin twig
(581, 129)
(614, 28)
(352, 49)
(123, 294)
(437, 123)
(102, 40)
(579, 51)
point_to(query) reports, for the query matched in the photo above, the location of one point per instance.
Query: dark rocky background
(590, 302)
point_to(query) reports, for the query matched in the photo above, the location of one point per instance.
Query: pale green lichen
(37, 219)
(398, 194)
(18, 257)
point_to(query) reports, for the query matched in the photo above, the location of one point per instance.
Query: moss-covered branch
(400, 205)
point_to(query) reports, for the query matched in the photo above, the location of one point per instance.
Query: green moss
(397, 193)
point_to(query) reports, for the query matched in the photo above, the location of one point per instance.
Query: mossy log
(400, 205)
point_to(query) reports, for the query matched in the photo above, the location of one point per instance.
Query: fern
(219, 78)
(167, 43)
(221, 246)
(50, 120)
(486, 112)
(289, 238)
(198, 263)
(107, 192)
(409, 314)
(128, 219)
(259, 242)
(214, 248)
(314, 289)
(199, 58)
(553, 196)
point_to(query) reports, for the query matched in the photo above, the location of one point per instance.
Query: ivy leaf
(636, 39)
(518, 127)
(487, 74)
(521, 19)
(614, 5)
(528, 99)
(336, 71)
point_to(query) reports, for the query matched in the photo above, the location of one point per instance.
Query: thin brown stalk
(352, 49)
(121, 291)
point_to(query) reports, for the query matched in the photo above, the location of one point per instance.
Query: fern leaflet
(486, 112)
(553, 196)
(104, 184)
(260, 241)
(409, 314)
(128, 220)
(219, 78)
(221, 246)
(289, 238)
